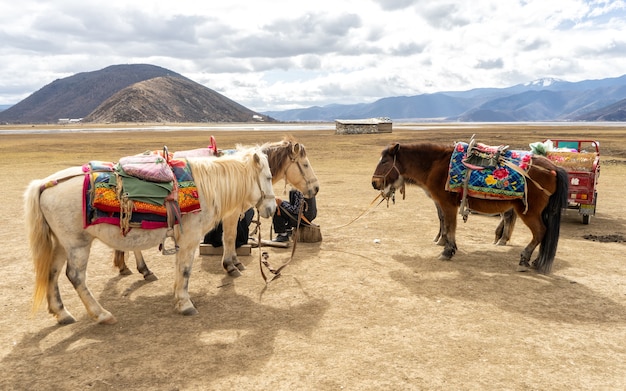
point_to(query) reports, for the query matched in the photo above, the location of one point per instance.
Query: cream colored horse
(57, 237)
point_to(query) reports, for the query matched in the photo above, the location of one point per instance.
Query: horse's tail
(41, 241)
(551, 217)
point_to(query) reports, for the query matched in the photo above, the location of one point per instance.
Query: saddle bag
(148, 166)
(481, 156)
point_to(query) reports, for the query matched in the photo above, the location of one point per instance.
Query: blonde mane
(237, 172)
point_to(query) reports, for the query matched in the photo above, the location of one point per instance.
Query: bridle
(297, 162)
(264, 196)
(392, 190)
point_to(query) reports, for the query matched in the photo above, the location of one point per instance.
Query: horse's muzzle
(267, 211)
(312, 192)
(377, 183)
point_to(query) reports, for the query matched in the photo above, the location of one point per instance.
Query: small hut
(363, 126)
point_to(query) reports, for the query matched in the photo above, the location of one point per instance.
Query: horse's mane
(278, 153)
(426, 147)
(223, 181)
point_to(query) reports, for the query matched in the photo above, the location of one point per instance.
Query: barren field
(369, 308)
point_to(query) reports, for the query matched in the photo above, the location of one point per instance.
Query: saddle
(149, 190)
(487, 172)
(480, 156)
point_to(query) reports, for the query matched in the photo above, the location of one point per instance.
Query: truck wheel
(585, 219)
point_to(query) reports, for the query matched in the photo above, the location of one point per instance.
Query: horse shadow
(482, 277)
(157, 348)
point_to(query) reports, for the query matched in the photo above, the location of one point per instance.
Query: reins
(264, 256)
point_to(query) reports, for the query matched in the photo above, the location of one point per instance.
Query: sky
(286, 54)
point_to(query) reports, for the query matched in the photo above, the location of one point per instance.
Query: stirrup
(172, 250)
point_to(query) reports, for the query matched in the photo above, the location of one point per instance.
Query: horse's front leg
(143, 268)
(449, 213)
(230, 262)
(119, 261)
(440, 239)
(184, 263)
(76, 271)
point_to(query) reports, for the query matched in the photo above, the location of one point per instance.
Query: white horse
(288, 160)
(54, 219)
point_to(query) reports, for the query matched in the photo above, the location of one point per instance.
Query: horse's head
(387, 177)
(288, 160)
(263, 195)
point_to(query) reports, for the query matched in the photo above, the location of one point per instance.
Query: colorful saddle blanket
(503, 181)
(102, 205)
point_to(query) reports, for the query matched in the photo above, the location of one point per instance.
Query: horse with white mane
(57, 234)
(288, 160)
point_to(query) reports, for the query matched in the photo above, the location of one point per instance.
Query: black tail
(551, 217)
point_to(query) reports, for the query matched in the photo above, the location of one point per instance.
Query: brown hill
(169, 99)
(123, 93)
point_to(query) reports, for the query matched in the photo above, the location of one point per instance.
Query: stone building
(362, 126)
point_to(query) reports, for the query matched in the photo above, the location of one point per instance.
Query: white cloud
(274, 55)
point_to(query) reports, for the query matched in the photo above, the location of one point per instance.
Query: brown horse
(426, 165)
(288, 160)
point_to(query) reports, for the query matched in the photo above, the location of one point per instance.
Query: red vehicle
(581, 160)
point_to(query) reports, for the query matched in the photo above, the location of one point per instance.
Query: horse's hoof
(233, 271)
(523, 266)
(150, 277)
(69, 319)
(107, 319)
(444, 257)
(240, 266)
(125, 272)
(190, 311)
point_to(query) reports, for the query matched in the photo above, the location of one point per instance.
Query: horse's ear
(394, 149)
(257, 159)
(296, 148)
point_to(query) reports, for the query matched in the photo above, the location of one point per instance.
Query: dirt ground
(369, 308)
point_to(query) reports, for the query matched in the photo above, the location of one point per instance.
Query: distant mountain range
(540, 100)
(127, 93)
(148, 93)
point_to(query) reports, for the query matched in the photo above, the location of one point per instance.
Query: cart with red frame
(581, 160)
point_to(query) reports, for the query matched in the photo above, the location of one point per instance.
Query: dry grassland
(368, 308)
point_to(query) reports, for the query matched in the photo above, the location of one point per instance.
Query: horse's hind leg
(505, 227)
(55, 304)
(538, 230)
(143, 268)
(76, 271)
(230, 262)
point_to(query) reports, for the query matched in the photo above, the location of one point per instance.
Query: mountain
(614, 112)
(169, 99)
(128, 93)
(545, 99)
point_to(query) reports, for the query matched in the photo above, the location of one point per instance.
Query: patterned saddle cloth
(101, 203)
(502, 178)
